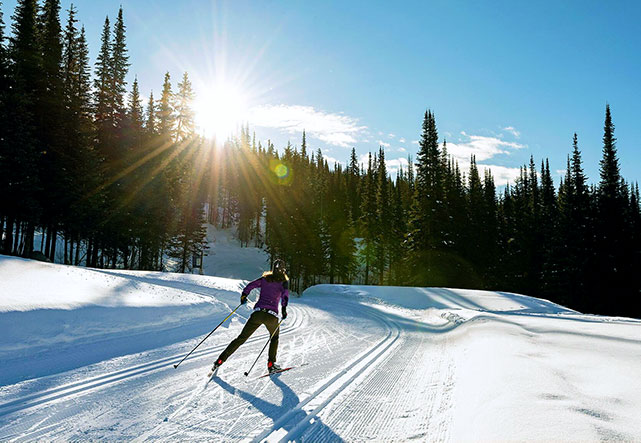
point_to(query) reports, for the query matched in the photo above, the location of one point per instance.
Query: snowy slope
(53, 316)
(374, 363)
(226, 259)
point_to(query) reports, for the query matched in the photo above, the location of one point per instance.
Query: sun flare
(220, 110)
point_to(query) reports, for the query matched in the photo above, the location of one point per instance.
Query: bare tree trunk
(88, 253)
(125, 257)
(183, 261)
(77, 260)
(16, 240)
(53, 235)
(47, 233)
(94, 255)
(8, 239)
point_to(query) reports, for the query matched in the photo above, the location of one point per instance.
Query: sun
(220, 109)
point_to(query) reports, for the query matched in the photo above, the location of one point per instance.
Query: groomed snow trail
(372, 363)
(354, 357)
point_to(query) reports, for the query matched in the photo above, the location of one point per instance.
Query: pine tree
(166, 120)
(490, 232)
(21, 151)
(399, 229)
(368, 220)
(103, 105)
(611, 225)
(428, 217)
(85, 171)
(567, 274)
(150, 123)
(190, 238)
(383, 217)
(303, 148)
(4, 95)
(119, 66)
(476, 218)
(48, 118)
(609, 186)
(353, 182)
(135, 114)
(185, 128)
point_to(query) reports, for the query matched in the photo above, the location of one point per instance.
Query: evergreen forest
(86, 166)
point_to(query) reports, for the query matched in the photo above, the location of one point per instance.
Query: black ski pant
(255, 320)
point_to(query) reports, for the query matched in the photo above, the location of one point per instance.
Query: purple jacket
(271, 293)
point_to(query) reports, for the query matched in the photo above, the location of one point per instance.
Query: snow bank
(524, 368)
(443, 298)
(57, 317)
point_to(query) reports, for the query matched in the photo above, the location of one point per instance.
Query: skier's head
(278, 272)
(278, 267)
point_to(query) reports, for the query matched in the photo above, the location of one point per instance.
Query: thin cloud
(415, 142)
(502, 174)
(401, 140)
(334, 129)
(513, 131)
(331, 161)
(394, 165)
(402, 149)
(481, 146)
(390, 135)
(383, 144)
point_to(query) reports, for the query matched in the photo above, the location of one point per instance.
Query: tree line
(434, 225)
(81, 160)
(131, 186)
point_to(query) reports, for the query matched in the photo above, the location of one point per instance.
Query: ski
(281, 370)
(277, 372)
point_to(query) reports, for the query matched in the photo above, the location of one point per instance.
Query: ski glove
(243, 298)
(284, 312)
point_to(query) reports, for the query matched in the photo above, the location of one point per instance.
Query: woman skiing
(274, 288)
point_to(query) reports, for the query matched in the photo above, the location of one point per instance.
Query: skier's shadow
(275, 412)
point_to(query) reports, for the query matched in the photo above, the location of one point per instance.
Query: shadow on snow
(276, 412)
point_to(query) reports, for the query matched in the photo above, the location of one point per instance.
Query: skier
(274, 288)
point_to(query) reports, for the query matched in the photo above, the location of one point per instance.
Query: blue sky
(505, 79)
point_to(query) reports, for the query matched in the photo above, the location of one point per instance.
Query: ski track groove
(301, 315)
(365, 414)
(256, 420)
(299, 426)
(79, 388)
(348, 403)
(109, 378)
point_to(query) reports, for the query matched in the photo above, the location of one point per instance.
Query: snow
(226, 259)
(88, 354)
(52, 316)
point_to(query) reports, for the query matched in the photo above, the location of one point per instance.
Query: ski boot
(214, 368)
(273, 367)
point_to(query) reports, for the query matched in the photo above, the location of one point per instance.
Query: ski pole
(230, 314)
(261, 351)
